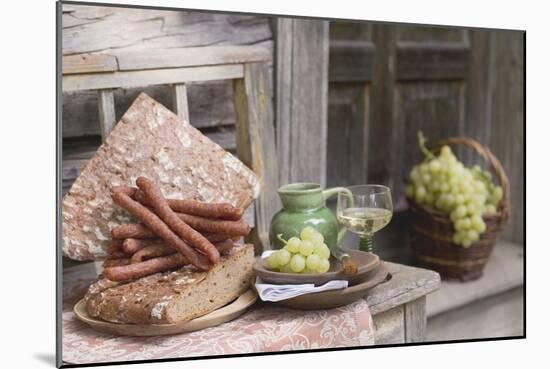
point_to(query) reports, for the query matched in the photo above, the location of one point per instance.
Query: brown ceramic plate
(335, 298)
(365, 261)
(216, 317)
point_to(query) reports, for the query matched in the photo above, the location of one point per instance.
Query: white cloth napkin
(278, 292)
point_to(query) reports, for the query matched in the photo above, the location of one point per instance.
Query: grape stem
(280, 237)
(422, 144)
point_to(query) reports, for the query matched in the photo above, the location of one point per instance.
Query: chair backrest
(247, 66)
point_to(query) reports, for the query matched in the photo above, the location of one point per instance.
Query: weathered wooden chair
(247, 66)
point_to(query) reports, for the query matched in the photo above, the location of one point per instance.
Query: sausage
(199, 208)
(178, 226)
(226, 227)
(125, 231)
(154, 223)
(225, 246)
(133, 245)
(139, 231)
(160, 249)
(115, 246)
(115, 262)
(152, 251)
(145, 268)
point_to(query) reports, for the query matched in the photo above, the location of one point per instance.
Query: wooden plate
(366, 262)
(335, 298)
(222, 315)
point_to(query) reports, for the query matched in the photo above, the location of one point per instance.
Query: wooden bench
(247, 66)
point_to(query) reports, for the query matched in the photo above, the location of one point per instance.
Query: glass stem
(366, 243)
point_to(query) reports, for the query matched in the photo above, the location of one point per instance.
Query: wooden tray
(335, 298)
(366, 262)
(219, 316)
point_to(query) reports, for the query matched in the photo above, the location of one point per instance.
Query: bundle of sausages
(172, 233)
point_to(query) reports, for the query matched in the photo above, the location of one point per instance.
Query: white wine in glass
(366, 211)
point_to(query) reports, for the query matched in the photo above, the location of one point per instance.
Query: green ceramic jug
(304, 205)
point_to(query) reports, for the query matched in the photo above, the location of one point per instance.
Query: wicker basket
(432, 230)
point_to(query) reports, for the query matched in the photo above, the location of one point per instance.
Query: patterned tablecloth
(264, 327)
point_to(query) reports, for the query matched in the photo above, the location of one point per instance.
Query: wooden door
(388, 81)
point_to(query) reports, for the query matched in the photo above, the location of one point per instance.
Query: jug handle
(328, 193)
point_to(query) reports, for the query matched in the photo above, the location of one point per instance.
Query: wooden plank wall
(97, 31)
(301, 99)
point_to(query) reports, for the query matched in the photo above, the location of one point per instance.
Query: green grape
(273, 261)
(426, 178)
(479, 186)
(420, 194)
(460, 199)
(293, 245)
(306, 247)
(307, 233)
(466, 242)
(322, 251)
(461, 211)
(466, 224)
(324, 266)
(283, 257)
(424, 169)
(285, 268)
(471, 208)
(297, 263)
(477, 223)
(445, 187)
(490, 209)
(473, 235)
(454, 216)
(446, 151)
(312, 261)
(317, 239)
(434, 166)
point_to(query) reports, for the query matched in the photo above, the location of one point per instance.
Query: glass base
(366, 244)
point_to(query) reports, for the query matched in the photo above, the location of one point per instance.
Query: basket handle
(494, 163)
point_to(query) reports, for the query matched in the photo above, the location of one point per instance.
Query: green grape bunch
(307, 254)
(466, 194)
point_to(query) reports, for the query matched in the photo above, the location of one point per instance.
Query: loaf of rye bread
(153, 142)
(175, 296)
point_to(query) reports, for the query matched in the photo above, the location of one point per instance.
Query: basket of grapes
(457, 212)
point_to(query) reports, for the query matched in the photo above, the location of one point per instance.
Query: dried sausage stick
(115, 262)
(178, 226)
(160, 249)
(152, 251)
(132, 231)
(151, 266)
(188, 206)
(227, 227)
(114, 246)
(199, 208)
(153, 222)
(133, 245)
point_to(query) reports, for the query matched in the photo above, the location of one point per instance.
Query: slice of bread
(148, 141)
(176, 296)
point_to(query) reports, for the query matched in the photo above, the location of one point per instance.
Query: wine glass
(368, 209)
